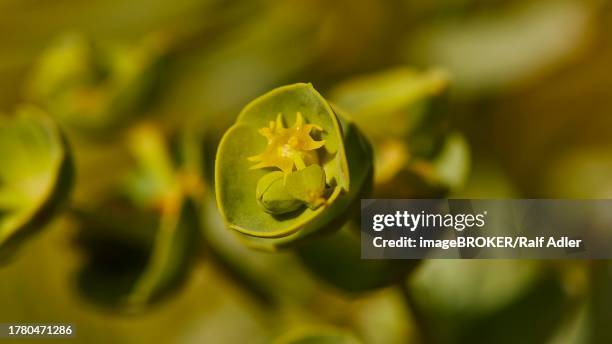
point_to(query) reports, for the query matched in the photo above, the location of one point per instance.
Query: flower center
(288, 148)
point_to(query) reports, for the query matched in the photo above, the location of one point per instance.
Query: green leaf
(400, 96)
(236, 182)
(35, 177)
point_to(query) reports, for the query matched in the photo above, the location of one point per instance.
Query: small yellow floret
(288, 147)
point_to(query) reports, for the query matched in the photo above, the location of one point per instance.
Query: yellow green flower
(288, 147)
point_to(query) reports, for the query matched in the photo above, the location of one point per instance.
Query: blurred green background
(530, 91)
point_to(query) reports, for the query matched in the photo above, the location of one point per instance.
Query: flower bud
(307, 185)
(273, 196)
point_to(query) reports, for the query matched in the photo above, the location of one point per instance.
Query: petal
(312, 144)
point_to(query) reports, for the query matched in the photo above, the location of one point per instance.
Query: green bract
(284, 170)
(35, 174)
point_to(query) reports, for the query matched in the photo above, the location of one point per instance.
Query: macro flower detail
(300, 180)
(288, 147)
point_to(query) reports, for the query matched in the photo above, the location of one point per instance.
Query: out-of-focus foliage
(95, 86)
(502, 47)
(336, 259)
(404, 112)
(35, 176)
(467, 301)
(317, 335)
(141, 245)
(462, 98)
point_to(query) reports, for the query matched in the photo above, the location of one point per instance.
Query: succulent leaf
(36, 174)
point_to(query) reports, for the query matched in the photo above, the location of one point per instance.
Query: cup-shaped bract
(290, 137)
(35, 174)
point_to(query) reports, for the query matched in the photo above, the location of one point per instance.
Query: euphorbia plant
(289, 167)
